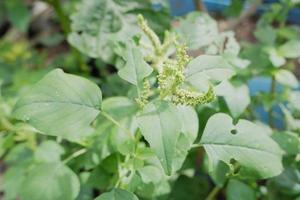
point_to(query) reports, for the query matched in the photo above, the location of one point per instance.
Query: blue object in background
(216, 5)
(263, 84)
(182, 7)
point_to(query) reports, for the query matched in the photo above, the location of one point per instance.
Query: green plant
(163, 124)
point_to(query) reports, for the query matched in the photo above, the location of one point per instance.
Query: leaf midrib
(243, 147)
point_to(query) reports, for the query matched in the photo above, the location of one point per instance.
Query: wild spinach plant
(166, 125)
(134, 146)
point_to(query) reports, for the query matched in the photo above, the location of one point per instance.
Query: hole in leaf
(233, 131)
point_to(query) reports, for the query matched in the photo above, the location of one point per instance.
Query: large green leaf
(254, 151)
(97, 24)
(117, 194)
(207, 69)
(61, 105)
(51, 181)
(160, 125)
(136, 68)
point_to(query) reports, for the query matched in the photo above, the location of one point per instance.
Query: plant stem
(200, 6)
(244, 15)
(74, 155)
(110, 118)
(196, 145)
(66, 27)
(212, 195)
(272, 95)
(6, 124)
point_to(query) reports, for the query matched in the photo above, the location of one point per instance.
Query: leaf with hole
(255, 152)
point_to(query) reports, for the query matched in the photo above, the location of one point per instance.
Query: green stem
(110, 118)
(65, 24)
(75, 155)
(6, 124)
(196, 145)
(272, 95)
(213, 194)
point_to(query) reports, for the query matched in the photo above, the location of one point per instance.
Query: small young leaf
(286, 78)
(288, 141)
(290, 49)
(237, 97)
(61, 105)
(136, 68)
(257, 154)
(117, 194)
(50, 181)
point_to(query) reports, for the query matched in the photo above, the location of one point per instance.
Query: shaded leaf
(50, 181)
(117, 194)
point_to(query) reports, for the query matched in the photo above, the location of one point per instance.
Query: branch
(244, 15)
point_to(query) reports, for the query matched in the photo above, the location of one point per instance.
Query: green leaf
(237, 97)
(234, 9)
(136, 68)
(288, 182)
(98, 24)
(266, 34)
(197, 30)
(290, 49)
(189, 131)
(50, 181)
(288, 141)
(150, 174)
(237, 190)
(286, 78)
(60, 105)
(117, 194)
(291, 122)
(12, 181)
(255, 152)
(162, 139)
(275, 57)
(206, 68)
(18, 14)
(294, 99)
(122, 110)
(48, 151)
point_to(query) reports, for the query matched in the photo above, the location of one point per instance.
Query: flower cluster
(142, 100)
(171, 75)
